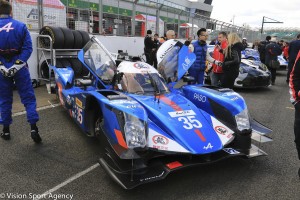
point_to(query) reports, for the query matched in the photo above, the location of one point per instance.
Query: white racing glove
(10, 72)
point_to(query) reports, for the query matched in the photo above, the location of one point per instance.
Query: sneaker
(273, 82)
(36, 136)
(5, 136)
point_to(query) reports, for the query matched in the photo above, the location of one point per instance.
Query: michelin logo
(186, 63)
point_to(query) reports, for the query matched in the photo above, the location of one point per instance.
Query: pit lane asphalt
(28, 168)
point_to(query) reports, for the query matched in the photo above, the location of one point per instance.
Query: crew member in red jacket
(217, 59)
(295, 99)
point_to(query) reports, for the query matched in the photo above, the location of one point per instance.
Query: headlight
(134, 132)
(242, 120)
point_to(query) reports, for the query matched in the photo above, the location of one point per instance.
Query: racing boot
(6, 133)
(35, 134)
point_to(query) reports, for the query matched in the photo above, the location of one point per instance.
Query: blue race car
(252, 54)
(252, 72)
(149, 127)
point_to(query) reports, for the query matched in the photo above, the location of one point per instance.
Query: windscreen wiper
(154, 84)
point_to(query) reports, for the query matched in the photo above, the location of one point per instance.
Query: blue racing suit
(15, 46)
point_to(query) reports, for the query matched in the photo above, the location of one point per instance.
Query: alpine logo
(209, 146)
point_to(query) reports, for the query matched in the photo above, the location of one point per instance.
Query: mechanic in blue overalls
(15, 50)
(200, 49)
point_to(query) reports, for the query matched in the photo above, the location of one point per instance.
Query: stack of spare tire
(64, 38)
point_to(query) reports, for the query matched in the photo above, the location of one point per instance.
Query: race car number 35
(189, 122)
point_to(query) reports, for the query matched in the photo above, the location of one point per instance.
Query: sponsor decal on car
(200, 97)
(141, 65)
(78, 102)
(163, 143)
(182, 113)
(152, 177)
(166, 51)
(159, 139)
(221, 130)
(160, 147)
(231, 151)
(186, 63)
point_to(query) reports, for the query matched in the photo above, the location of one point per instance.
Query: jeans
(216, 79)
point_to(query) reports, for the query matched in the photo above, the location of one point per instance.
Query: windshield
(146, 83)
(169, 65)
(99, 61)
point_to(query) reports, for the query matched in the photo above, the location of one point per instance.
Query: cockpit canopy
(141, 78)
(99, 60)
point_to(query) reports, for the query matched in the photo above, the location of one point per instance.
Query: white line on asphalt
(53, 105)
(38, 109)
(69, 180)
(290, 108)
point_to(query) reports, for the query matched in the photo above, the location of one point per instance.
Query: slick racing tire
(85, 37)
(57, 37)
(45, 69)
(69, 38)
(65, 62)
(77, 67)
(78, 41)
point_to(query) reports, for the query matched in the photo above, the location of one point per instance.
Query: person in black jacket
(295, 99)
(273, 50)
(156, 45)
(232, 60)
(149, 47)
(262, 49)
(294, 47)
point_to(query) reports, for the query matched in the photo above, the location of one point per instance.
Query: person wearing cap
(273, 50)
(245, 44)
